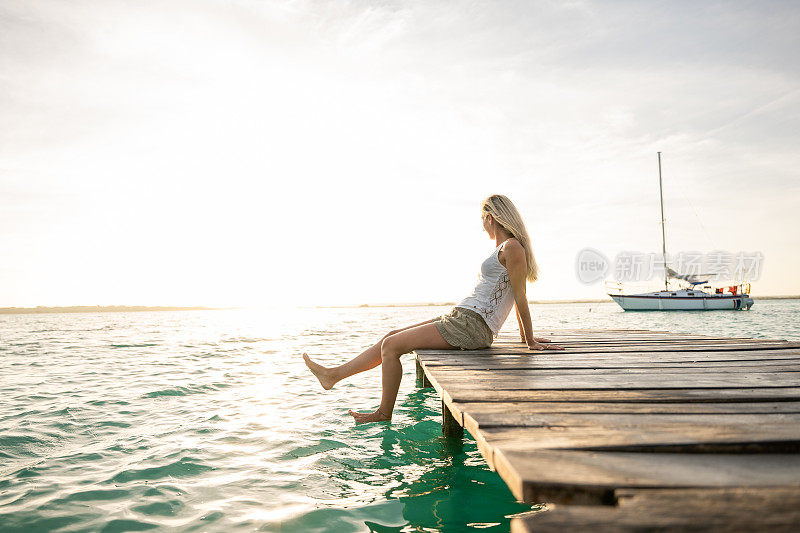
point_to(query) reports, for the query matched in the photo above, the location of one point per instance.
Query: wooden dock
(633, 429)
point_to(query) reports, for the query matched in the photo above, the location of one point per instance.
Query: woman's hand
(535, 339)
(543, 346)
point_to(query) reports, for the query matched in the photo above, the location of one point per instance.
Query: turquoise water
(209, 421)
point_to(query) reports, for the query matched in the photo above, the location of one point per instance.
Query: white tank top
(492, 297)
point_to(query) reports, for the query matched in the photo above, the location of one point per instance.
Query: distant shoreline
(140, 308)
(97, 309)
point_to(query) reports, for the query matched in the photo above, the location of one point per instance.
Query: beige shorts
(465, 329)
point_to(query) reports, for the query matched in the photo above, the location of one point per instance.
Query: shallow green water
(208, 421)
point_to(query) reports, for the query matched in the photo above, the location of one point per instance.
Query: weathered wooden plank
(480, 408)
(750, 499)
(633, 406)
(555, 355)
(554, 358)
(646, 346)
(627, 342)
(671, 510)
(690, 433)
(622, 342)
(599, 330)
(601, 351)
(588, 332)
(653, 395)
(533, 370)
(641, 340)
(522, 352)
(664, 380)
(470, 414)
(597, 333)
(620, 335)
(632, 420)
(666, 438)
(723, 366)
(638, 348)
(513, 334)
(572, 391)
(592, 477)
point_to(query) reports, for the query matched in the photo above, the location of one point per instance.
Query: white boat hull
(682, 301)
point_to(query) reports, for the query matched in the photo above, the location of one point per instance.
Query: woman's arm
(517, 273)
(519, 321)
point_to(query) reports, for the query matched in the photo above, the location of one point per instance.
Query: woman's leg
(366, 360)
(392, 347)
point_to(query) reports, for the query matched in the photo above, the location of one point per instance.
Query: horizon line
(137, 308)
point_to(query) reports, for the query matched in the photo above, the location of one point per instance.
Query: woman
(472, 324)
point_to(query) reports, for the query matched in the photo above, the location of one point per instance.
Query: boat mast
(663, 234)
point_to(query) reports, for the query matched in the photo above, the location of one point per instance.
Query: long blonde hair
(506, 214)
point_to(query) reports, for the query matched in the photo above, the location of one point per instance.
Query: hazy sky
(254, 152)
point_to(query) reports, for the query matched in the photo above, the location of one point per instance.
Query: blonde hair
(507, 216)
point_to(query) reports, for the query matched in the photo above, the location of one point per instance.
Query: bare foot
(324, 375)
(363, 418)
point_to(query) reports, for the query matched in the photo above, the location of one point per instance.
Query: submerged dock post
(421, 377)
(450, 426)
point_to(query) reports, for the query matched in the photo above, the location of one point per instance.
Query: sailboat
(689, 294)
